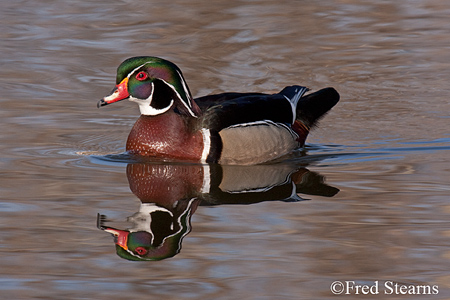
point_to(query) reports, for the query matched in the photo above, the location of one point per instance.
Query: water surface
(385, 147)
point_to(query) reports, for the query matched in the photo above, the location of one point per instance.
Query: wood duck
(170, 194)
(228, 128)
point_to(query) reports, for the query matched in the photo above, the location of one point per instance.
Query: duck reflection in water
(170, 194)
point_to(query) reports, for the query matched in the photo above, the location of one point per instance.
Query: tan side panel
(253, 178)
(255, 144)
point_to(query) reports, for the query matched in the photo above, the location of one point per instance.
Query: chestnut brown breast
(165, 136)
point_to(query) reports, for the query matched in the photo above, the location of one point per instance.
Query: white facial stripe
(146, 109)
(181, 99)
(186, 91)
(188, 95)
(129, 74)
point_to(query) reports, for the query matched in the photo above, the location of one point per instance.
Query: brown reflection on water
(170, 194)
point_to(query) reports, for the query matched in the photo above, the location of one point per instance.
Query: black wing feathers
(247, 109)
(228, 109)
(311, 108)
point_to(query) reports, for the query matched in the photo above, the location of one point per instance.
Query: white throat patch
(145, 105)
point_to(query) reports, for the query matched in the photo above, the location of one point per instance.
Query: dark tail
(312, 107)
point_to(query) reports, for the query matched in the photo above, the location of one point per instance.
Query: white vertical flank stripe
(206, 144)
(206, 187)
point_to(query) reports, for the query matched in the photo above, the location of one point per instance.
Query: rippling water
(384, 150)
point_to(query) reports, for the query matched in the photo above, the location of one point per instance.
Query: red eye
(141, 250)
(141, 76)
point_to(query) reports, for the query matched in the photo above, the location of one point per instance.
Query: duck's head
(139, 246)
(155, 84)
